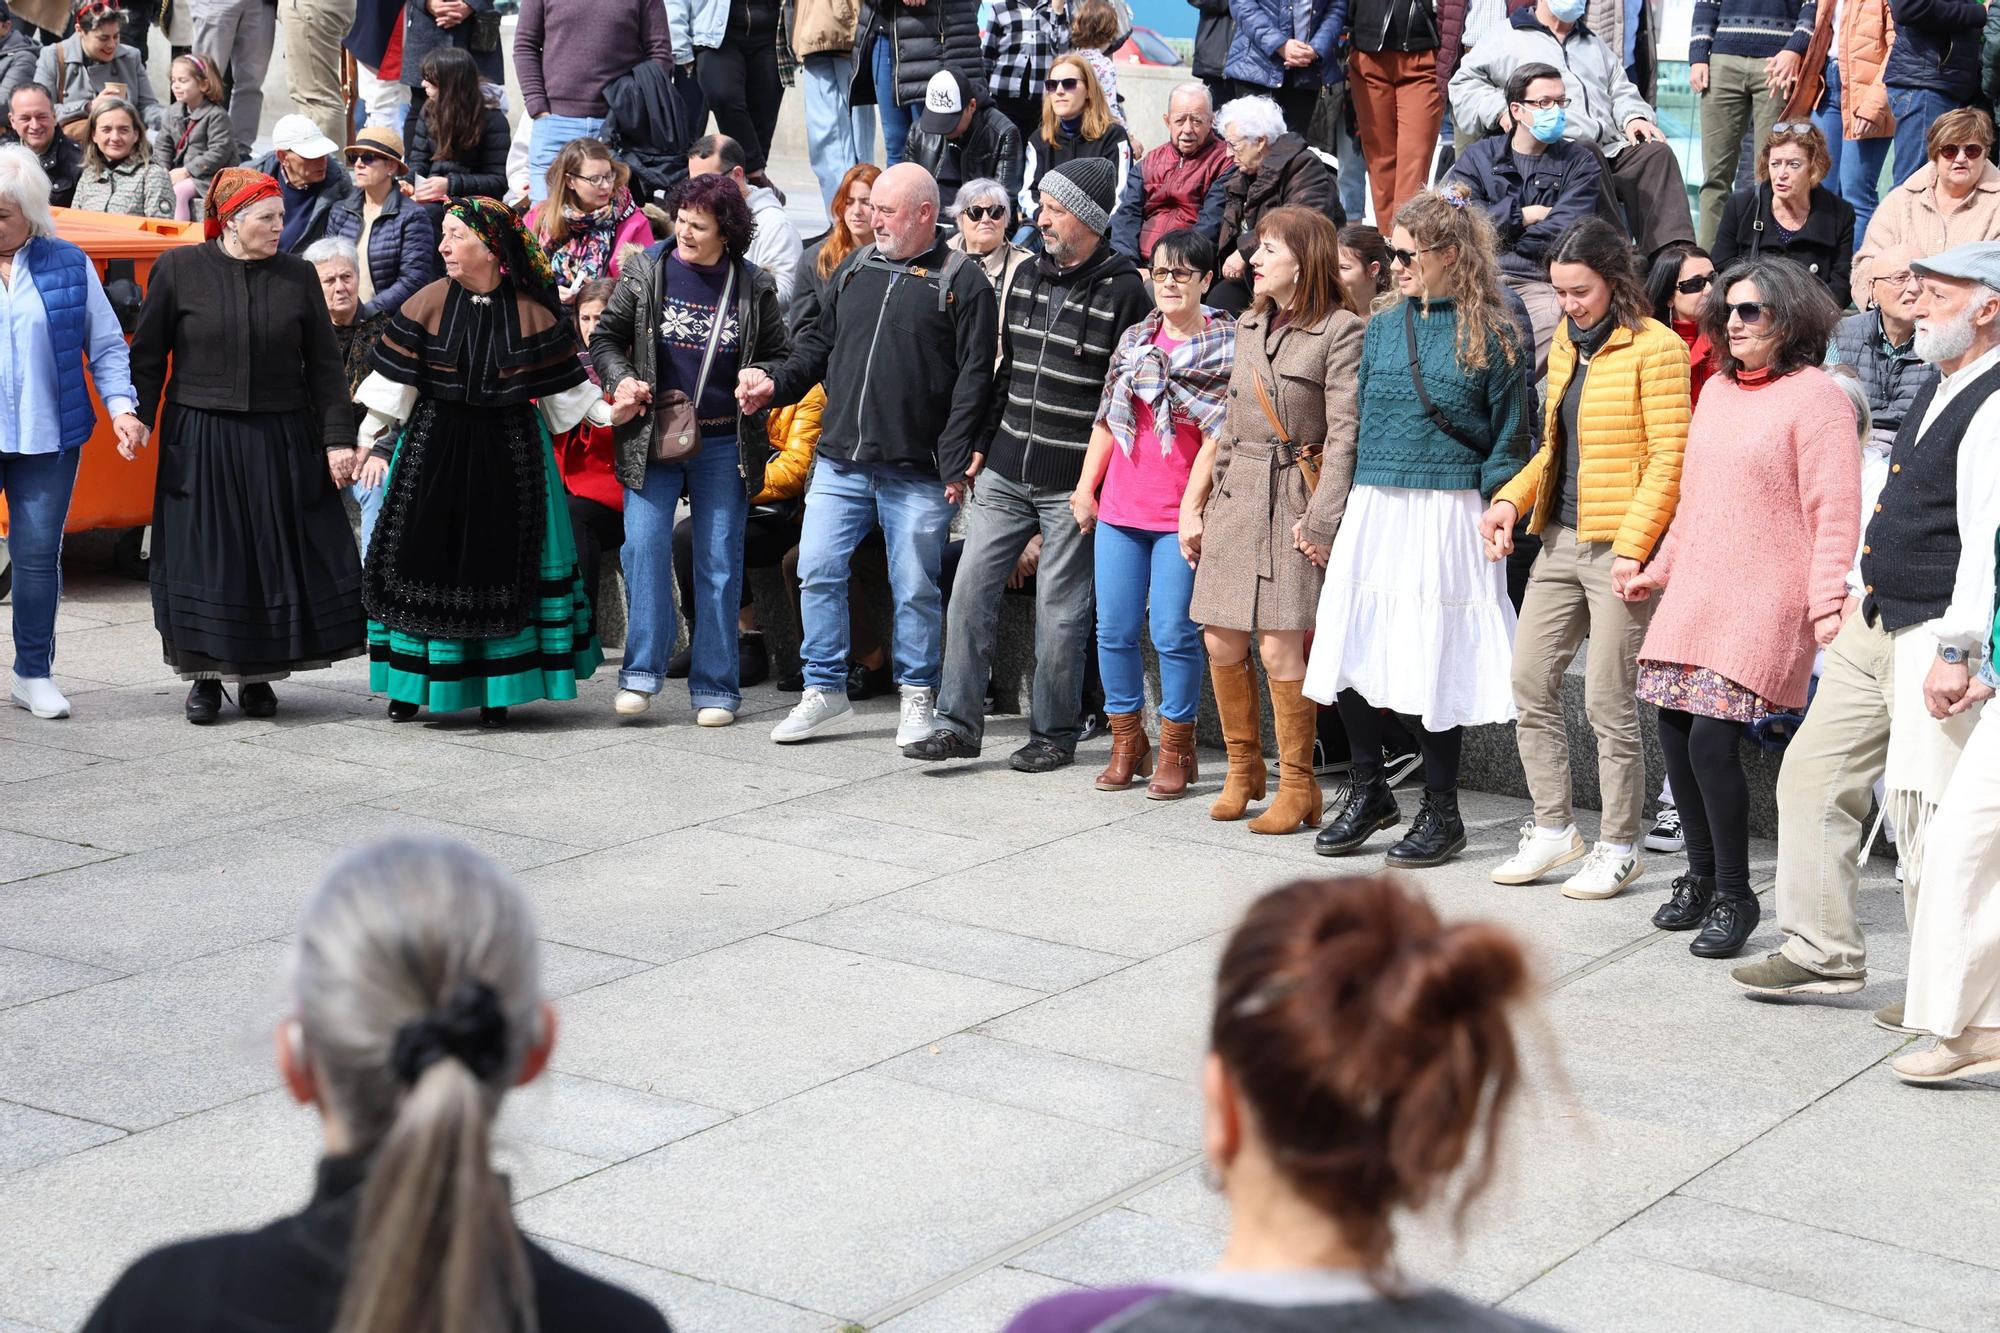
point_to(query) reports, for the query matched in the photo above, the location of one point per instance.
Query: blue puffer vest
(62, 279)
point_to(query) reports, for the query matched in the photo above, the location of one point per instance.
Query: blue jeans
(546, 138)
(1138, 571)
(371, 508)
(717, 511)
(843, 502)
(1857, 163)
(837, 135)
(895, 119)
(37, 488)
(1915, 109)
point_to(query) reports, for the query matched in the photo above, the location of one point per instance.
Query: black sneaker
(1369, 808)
(1665, 835)
(1399, 768)
(1728, 926)
(753, 661)
(678, 664)
(401, 710)
(1040, 757)
(944, 743)
(795, 683)
(493, 718)
(1092, 727)
(870, 682)
(1436, 835)
(258, 700)
(1689, 905)
(204, 702)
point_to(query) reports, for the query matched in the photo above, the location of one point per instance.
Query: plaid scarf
(585, 253)
(1192, 380)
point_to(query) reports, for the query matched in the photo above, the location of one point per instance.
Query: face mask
(1569, 11)
(1548, 123)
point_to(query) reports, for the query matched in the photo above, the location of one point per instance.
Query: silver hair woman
(417, 985)
(984, 214)
(1274, 167)
(41, 438)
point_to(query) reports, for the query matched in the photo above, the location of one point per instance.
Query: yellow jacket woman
(1600, 492)
(794, 433)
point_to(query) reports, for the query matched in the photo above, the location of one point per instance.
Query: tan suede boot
(1236, 702)
(1298, 803)
(1176, 767)
(1131, 753)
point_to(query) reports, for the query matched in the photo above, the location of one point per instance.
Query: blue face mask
(1569, 11)
(1548, 123)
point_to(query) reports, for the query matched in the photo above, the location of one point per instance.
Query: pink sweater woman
(1753, 569)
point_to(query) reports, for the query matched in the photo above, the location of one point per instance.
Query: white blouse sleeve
(389, 404)
(583, 402)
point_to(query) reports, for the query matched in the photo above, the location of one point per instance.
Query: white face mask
(1568, 11)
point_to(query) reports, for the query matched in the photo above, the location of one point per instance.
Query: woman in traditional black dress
(474, 597)
(254, 570)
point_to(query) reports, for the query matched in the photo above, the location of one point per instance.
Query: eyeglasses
(602, 180)
(1750, 312)
(1409, 257)
(1182, 276)
(1700, 283)
(984, 212)
(1950, 151)
(1062, 85)
(1902, 279)
(1544, 103)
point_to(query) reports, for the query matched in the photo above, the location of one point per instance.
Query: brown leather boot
(1177, 765)
(1131, 752)
(1298, 804)
(1242, 733)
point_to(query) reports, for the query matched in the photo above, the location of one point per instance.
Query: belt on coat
(1256, 466)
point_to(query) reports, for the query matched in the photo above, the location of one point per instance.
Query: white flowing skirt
(1413, 616)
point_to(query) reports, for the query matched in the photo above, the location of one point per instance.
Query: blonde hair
(1097, 121)
(397, 934)
(1441, 221)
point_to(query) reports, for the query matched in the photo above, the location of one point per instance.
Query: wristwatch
(1949, 655)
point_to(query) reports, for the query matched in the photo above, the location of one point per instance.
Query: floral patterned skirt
(1702, 691)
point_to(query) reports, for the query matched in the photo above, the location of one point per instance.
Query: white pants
(387, 100)
(1955, 939)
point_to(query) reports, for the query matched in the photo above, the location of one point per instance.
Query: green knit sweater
(1398, 445)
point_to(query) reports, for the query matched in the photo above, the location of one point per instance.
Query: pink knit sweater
(1768, 520)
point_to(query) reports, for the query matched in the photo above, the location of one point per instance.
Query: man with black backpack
(904, 344)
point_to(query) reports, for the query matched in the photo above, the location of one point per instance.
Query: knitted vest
(1913, 544)
(1893, 380)
(62, 279)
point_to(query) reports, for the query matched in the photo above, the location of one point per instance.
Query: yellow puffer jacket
(1632, 426)
(794, 434)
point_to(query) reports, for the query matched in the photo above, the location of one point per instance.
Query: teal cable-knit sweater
(1398, 445)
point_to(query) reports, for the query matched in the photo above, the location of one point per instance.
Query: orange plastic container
(110, 492)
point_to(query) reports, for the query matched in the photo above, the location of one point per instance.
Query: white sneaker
(919, 715)
(630, 703)
(39, 695)
(1538, 854)
(1603, 873)
(714, 717)
(817, 713)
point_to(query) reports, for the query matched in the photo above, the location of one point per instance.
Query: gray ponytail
(418, 982)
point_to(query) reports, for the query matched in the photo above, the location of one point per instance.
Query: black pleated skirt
(254, 570)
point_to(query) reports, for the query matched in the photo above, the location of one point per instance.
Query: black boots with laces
(1436, 835)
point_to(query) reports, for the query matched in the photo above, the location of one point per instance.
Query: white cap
(944, 102)
(296, 134)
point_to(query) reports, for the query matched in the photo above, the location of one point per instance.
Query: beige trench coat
(1252, 576)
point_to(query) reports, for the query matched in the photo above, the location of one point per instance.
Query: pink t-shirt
(1144, 491)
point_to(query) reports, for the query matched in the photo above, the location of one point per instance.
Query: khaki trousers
(1398, 109)
(1736, 99)
(1955, 932)
(1569, 598)
(313, 32)
(1825, 789)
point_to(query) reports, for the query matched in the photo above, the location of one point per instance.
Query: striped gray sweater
(1058, 331)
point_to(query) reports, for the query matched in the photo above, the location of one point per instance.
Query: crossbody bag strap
(1431, 409)
(714, 336)
(1270, 410)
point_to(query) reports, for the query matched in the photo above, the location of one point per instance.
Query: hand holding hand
(956, 491)
(1083, 505)
(131, 433)
(1945, 685)
(1977, 693)
(1781, 74)
(973, 468)
(340, 466)
(1641, 586)
(1825, 628)
(1623, 570)
(1191, 537)
(1496, 529)
(372, 472)
(623, 410)
(753, 390)
(1316, 554)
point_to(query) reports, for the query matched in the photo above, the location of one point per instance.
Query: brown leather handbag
(676, 424)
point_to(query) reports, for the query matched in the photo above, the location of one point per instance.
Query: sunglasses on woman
(1408, 258)
(1062, 85)
(367, 159)
(1699, 283)
(984, 212)
(1750, 312)
(1972, 151)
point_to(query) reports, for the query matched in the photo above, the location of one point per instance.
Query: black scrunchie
(470, 1029)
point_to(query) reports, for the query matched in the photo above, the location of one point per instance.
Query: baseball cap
(296, 134)
(945, 100)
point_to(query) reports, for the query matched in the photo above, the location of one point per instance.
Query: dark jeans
(1712, 795)
(739, 79)
(1365, 733)
(596, 527)
(767, 536)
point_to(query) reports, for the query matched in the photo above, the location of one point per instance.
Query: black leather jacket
(991, 146)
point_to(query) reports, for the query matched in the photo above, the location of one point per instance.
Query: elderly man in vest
(1896, 698)
(1180, 182)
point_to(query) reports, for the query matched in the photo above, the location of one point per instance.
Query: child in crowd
(587, 459)
(196, 136)
(1093, 34)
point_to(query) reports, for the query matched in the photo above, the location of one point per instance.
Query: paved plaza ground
(851, 1040)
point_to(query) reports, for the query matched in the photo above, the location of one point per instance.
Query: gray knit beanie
(1087, 187)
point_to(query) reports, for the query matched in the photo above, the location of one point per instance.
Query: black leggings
(1366, 728)
(1714, 798)
(597, 528)
(740, 81)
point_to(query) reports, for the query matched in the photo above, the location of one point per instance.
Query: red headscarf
(233, 190)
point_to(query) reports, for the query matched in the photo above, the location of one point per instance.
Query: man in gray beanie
(1060, 321)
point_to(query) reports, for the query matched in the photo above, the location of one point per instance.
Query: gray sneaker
(1890, 1019)
(1779, 975)
(817, 713)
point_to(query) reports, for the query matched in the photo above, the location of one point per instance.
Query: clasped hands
(132, 434)
(632, 397)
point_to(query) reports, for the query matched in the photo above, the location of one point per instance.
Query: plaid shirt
(1023, 40)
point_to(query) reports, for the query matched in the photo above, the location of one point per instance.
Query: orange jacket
(794, 434)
